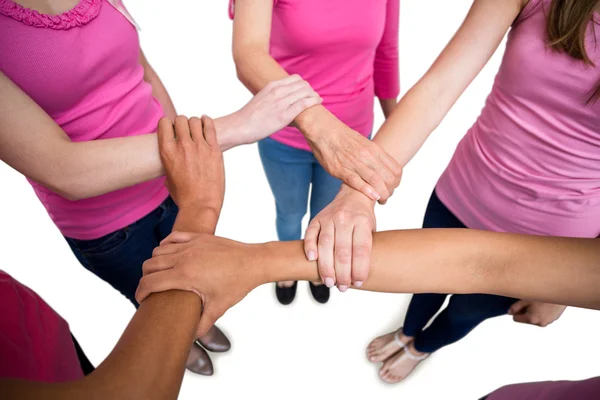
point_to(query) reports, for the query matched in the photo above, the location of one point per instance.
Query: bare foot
(386, 346)
(286, 284)
(396, 368)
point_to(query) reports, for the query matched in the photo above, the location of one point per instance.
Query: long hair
(567, 26)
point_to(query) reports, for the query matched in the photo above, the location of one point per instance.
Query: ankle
(414, 351)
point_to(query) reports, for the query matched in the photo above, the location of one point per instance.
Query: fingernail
(358, 284)
(329, 282)
(311, 256)
(343, 288)
(376, 196)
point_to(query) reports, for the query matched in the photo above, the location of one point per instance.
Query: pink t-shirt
(531, 162)
(346, 49)
(82, 67)
(35, 342)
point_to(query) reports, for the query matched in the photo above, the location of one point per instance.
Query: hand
(535, 313)
(357, 161)
(274, 108)
(340, 239)
(193, 162)
(222, 272)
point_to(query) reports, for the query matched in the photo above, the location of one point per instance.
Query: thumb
(522, 318)
(519, 307)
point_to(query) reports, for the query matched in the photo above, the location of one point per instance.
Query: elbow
(67, 188)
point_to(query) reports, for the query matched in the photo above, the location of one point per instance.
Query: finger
(522, 318)
(182, 130)
(391, 164)
(196, 129)
(295, 93)
(325, 249)
(353, 180)
(210, 133)
(362, 245)
(160, 263)
(299, 106)
(177, 237)
(518, 307)
(282, 92)
(372, 177)
(166, 249)
(310, 240)
(165, 132)
(343, 255)
(161, 281)
(286, 81)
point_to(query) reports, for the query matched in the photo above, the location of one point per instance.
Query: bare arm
(343, 152)
(422, 109)
(555, 270)
(33, 144)
(148, 361)
(418, 113)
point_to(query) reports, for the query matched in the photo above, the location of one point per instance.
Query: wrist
(311, 122)
(349, 192)
(230, 132)
(197, 217)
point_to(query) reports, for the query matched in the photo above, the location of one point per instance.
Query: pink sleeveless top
(82, 67)
(531, 162)
(346, 49)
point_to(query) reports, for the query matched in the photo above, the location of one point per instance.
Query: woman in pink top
(530, 164)
(78, 105)
(348, 51)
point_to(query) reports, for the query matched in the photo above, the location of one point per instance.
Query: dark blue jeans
(117, 258)
(464, 311)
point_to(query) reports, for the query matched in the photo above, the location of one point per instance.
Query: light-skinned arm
(33, 144)
(554, 270)
(418, 113)
(343, 152)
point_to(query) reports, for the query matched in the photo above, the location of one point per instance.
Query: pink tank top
(82, 67)
(531, 162)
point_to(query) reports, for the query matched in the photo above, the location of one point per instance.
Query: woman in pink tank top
(348, 51)
(530, 164)
(79, 104)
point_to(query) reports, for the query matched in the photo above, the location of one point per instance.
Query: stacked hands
(221, 271)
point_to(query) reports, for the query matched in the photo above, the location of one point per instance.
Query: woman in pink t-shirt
(78, 105)
(530, 164)
(348, 51)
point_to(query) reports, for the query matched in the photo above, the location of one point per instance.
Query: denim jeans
(464, 311)
(117, 258)
(290, 173)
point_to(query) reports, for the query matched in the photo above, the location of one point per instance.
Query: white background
(304, 350)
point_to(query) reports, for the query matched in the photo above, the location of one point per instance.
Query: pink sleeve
(232, 8)
(386, 72)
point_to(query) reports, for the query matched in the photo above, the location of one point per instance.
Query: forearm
(79, 170)
(147, 363)
(555, 270)
(197, 219)
(256, 68)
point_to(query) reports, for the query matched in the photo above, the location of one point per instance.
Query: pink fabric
(531, 162)
(346, 49)
(82, 67)
(585, 390)
(35, 342)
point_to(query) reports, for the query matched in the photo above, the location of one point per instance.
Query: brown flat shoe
(199, 361)
(215, 340)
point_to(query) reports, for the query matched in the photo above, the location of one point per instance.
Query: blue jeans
(290, 173)
(117, 258)
(464, 311)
